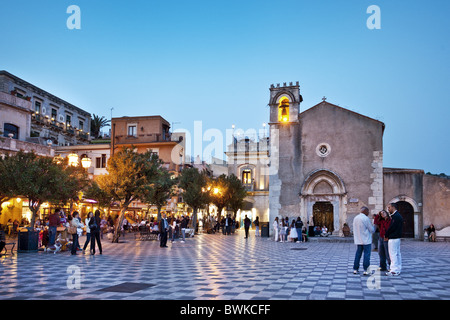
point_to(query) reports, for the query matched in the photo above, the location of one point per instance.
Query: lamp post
(86, 162)
(73, 159)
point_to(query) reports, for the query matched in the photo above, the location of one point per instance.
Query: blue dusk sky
(214, 61)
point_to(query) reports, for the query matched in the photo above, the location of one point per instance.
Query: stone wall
(436, 201)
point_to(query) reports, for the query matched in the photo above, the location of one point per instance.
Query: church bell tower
(284, 103)
(285, 150)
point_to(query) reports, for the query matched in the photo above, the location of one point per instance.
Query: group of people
(321, 231)
(284, 231)
(75, 227)
(226, 223)
(390, 226)
(172, 227)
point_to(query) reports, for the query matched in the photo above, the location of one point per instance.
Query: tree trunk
(118, 226)
(194, 219)
(219, 212)
(34, 212)
(159, 214)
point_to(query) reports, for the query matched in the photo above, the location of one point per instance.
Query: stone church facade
(327, 162)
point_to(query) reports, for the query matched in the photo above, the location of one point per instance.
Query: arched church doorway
(407, 212)
(323, 215)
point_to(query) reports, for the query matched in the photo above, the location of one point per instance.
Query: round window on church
(323, 150)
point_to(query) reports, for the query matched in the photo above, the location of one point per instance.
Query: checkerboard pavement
(218, 267)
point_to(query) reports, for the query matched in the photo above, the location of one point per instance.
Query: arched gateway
(323, 200)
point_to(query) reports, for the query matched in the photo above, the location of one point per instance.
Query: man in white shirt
(362, 233)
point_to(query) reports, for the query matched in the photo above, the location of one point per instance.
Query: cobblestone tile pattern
(210, 267)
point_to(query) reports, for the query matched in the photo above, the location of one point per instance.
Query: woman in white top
(75, 222)
(275, 228)
(88, 231)
(293, 234)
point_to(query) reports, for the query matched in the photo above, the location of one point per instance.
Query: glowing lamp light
(284, 115)
(216, 190)
(86, 162)
(73, 159)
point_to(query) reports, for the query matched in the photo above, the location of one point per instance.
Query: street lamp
(86, 162)
(73, 159)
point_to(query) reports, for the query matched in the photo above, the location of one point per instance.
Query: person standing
(88, 230)
(382, 221)
(54, 221)
(288, 230)
(362, 232)
(283, 229)
(393, 236)
(299, 227)
(163, 229)
(76, 224)
(275, 229)
(256, 223)
(228, 222)
(94, 226)
(293, 235)
(175, 228)
(375, 236)
(247, 224)
(183, 226)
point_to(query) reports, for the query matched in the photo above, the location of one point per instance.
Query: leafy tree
(37, 178)
(76, 180)
(161, 190)
(7, 178)
(237, 193)
(97, 123)
(128, 178)
(93, 191)
(220, 193)
(194, 184)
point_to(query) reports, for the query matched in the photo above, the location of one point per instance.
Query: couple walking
(362, 232)
(93, 232)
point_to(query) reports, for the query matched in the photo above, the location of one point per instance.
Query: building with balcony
(35, 115)
(248, 159)
(149, 133)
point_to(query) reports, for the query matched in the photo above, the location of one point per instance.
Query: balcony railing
(59, 127)
(144, 138)
(14, 145)
(12, 100)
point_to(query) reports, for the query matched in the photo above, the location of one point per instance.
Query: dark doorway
(323, 215)
(407, 212)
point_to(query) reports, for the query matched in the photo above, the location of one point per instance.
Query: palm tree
(97, 123)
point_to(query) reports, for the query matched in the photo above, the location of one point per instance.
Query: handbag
(72, 230)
